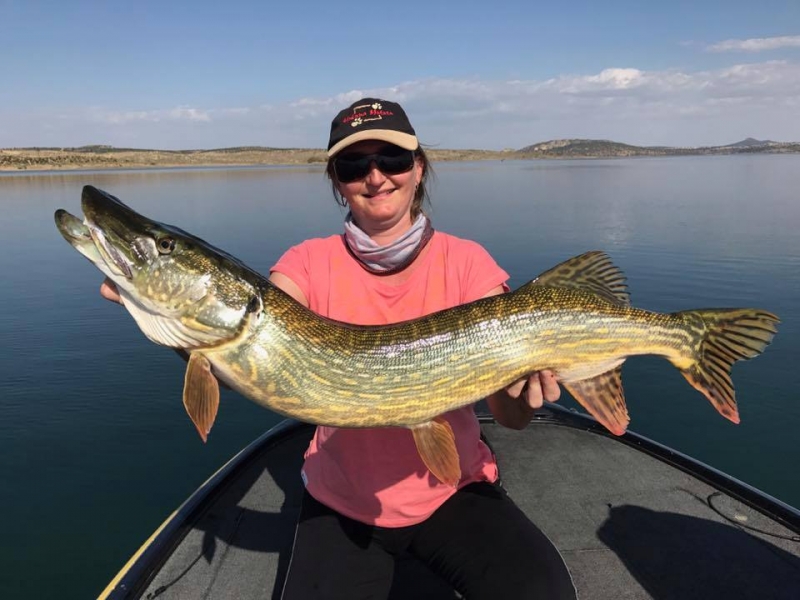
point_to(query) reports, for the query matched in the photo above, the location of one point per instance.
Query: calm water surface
(96, 449)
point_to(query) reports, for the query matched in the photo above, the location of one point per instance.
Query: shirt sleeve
(481, 273)
(296, 265)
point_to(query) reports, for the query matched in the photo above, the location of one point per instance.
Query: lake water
(96, 449)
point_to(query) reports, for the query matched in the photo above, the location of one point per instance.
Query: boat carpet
(628, 526)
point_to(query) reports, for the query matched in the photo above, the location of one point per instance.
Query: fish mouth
(114, 228)
(72, 228)
(78, 235)
(107, 233)
(109, 252)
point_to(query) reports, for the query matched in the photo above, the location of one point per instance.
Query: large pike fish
(574, 319)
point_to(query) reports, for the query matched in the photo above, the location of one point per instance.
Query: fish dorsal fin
(201, 394)
(592, 271)
(436, 445)
(603, 397)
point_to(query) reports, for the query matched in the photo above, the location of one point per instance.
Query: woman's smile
(380, 195)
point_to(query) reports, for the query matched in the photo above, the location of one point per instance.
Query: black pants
(478, 540)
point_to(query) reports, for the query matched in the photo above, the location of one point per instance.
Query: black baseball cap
(372, 119)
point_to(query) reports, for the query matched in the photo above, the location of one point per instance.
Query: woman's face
(380, 202)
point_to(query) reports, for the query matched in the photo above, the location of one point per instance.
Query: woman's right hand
(109, 291)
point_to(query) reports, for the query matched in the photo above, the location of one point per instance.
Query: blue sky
(180, 75)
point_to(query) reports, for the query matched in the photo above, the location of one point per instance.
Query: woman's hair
(421, 196)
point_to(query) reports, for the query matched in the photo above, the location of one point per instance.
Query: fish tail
(723, 336)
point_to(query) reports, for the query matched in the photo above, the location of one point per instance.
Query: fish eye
(165, 245)
(253, 305)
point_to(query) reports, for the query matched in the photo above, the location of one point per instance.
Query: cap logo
(366, 112)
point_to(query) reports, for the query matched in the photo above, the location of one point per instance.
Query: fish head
(182, 291)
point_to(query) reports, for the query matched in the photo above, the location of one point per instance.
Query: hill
(751, 143)
(582, 148)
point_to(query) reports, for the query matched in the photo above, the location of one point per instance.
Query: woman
(369, 496)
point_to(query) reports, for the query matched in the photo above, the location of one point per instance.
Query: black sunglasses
(390, 160)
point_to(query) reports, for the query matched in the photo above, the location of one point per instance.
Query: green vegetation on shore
(98, 157)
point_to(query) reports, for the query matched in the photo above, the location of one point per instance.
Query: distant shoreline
(113, 158)
(106, 157)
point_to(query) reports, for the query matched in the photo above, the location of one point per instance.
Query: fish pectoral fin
(436, 445)
(201, 394)
(604, 398)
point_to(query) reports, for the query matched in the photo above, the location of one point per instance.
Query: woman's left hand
(536, 388)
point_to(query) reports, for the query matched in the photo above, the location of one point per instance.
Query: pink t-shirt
(376, 475)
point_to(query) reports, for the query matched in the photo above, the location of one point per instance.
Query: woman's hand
(536, 388)
(109, 291)
(513, 406)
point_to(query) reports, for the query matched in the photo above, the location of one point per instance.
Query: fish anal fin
(436, 445)
(604, 398)
(201, 394)
(591, 271)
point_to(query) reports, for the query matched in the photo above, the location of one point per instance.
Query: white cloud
(757, 44)
(619, 79)
(189, 114)
(627, 104)
(241, 112)
(673, 107)
(179, 113)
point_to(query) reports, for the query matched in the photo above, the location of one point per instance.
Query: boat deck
(628, 524)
